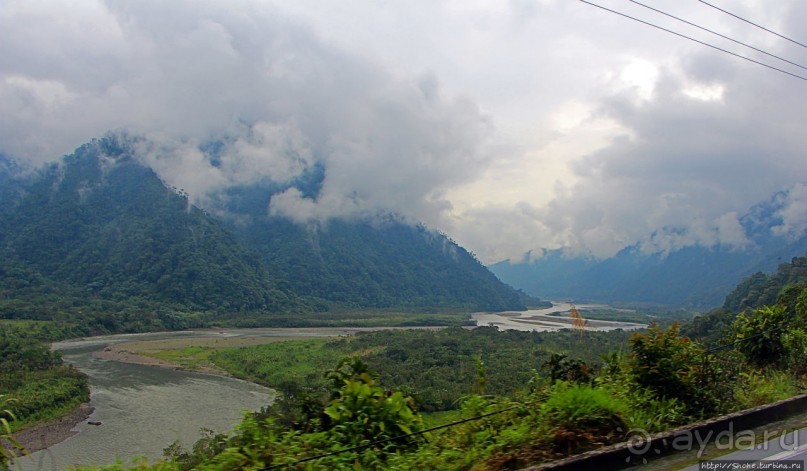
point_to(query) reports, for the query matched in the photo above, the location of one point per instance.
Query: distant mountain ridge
(692, 276)
(101, 224)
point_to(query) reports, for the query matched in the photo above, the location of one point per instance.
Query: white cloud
(725, 230)
(793, 213)
(512, 126)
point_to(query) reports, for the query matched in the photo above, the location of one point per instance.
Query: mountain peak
(101, 223)
(675, 266)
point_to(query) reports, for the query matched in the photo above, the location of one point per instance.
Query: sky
(511, 126)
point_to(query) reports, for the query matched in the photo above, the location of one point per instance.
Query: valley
(166, 382)
(341, 332)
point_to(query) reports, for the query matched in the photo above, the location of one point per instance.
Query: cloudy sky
(510, 125)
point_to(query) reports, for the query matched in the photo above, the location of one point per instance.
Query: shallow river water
(143, 409)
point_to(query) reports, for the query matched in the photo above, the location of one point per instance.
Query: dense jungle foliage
(763, 289)
(35, 385)
(67, 239)
(754, 292)
(558, 394)
(105, 224)
(436, 367)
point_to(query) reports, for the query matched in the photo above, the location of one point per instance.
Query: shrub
(760, 332)
(581, 414)
(673, 367)
(756, 388)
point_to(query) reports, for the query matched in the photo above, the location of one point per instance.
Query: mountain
(755, 291)
(10, 182)
(762, 289)
(694, 276)
(387, 264)
(101, 222)
(383, 262)
(100, 225)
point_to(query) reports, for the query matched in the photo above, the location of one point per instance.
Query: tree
(362, 411)
(672, 367)
(760, 331)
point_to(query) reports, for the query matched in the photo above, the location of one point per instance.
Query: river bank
(141, 409)
(44, 435)
(153, 352)
(122, 354)
(133, 349)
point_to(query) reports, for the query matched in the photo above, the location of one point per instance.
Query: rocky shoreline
(44, 435)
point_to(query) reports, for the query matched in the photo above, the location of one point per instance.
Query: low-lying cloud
(686, 167)
(276, 98)
(655, 141)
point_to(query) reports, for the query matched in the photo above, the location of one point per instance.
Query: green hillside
(106, 225)
(100, 232)
(391, 264)
(754, 292)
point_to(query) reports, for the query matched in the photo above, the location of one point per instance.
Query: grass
(24, 323)
(621, 315)
(189, 357)
(280, 363)
(272, 361)
(354, 318)
(46, 395)
(435, 419)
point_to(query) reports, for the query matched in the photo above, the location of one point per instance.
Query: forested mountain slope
(386, 264)
(754, 292)
(762, 289)
(101, 225)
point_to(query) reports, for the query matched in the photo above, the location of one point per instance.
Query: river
(143, 409)
(550, 319)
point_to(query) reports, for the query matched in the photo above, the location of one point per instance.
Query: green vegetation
(558, 393)
(670, 366)
(34, 383)
(282, 365)
(350, 318)
(436, 367)
(756, 291)
(639, 314)
(572, 409)
(64, 318)
(7, 454)
(383, 265)
(761, 290)
(66, 270)
(660, 380)
(67, 236)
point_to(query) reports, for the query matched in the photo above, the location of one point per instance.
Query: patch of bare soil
(41, 436)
